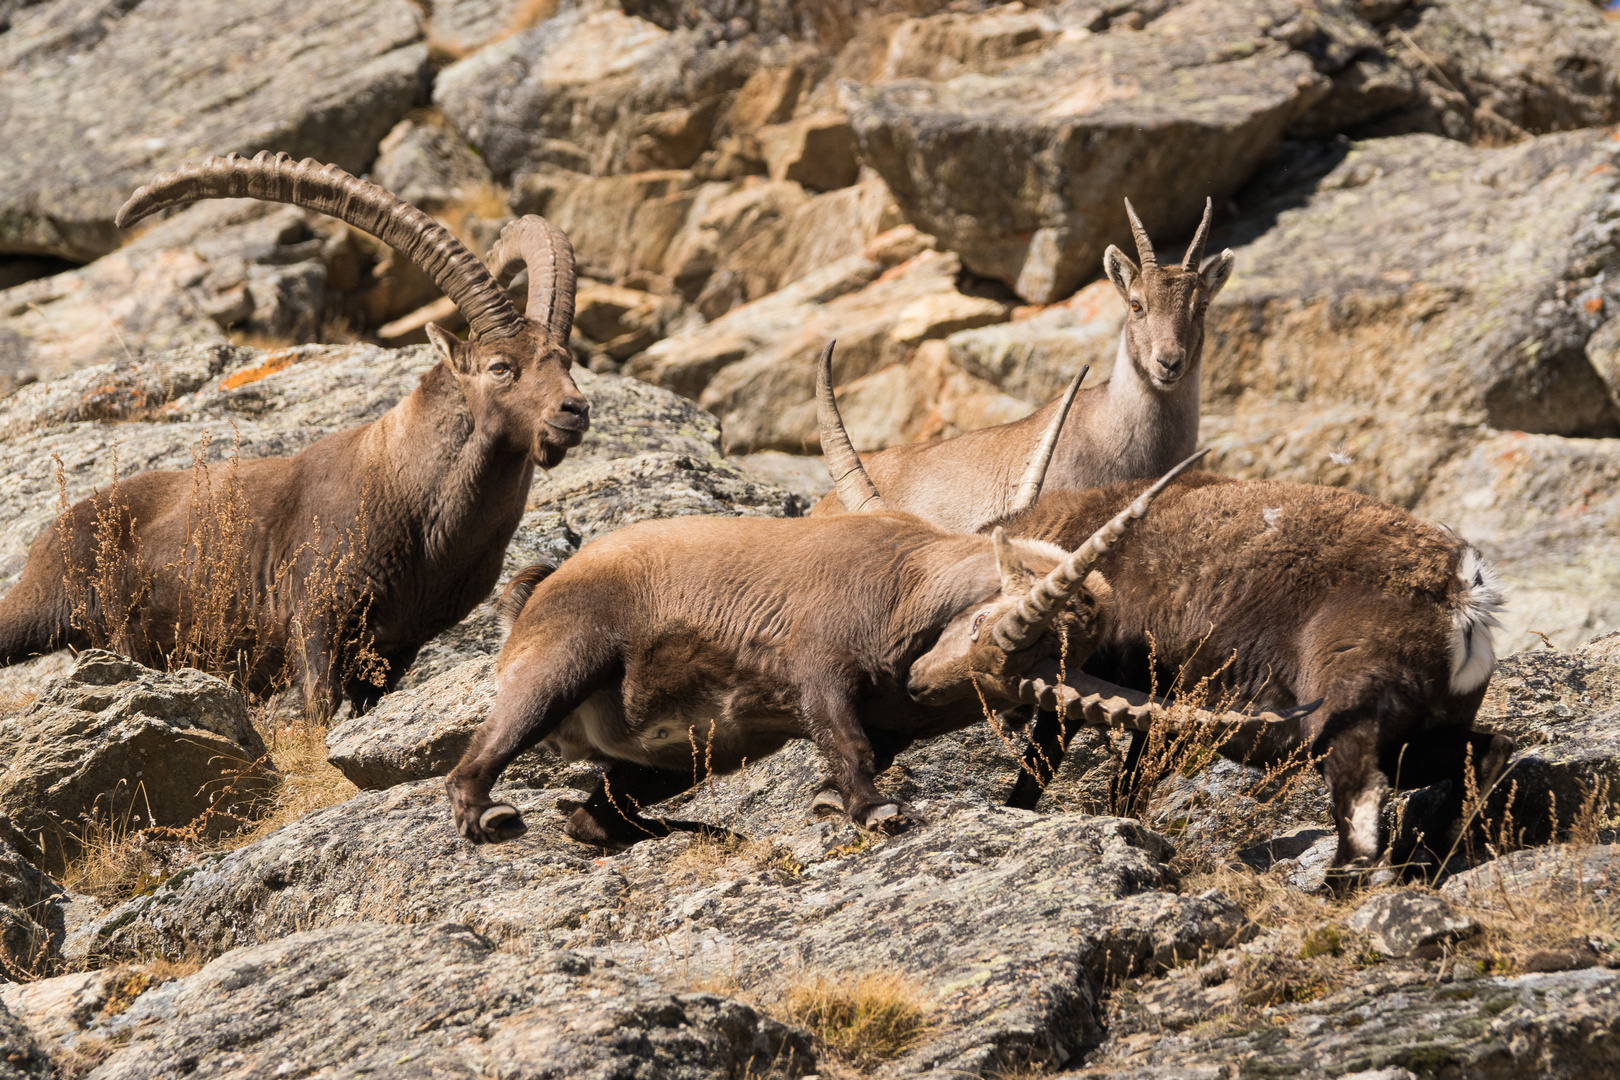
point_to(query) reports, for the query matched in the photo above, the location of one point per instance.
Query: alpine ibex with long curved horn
(436, 486)
(1279, 594)
(1139, 424)
(674, 649)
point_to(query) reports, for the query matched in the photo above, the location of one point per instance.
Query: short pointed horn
(1029, 619)
(1195, 252)
(1144, 246)
(856, 492)
(330, 190)
(1029, 486)
(533, 242)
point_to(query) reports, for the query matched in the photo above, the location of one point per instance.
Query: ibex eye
(1136, 306)
(977, 621)
(499, 367)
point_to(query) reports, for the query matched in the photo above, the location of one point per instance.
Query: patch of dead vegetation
(863, 1017)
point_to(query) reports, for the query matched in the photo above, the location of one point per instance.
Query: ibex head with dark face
(1165, 305)
(513, 370)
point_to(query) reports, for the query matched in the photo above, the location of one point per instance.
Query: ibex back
(1143, 421)
(435, 487)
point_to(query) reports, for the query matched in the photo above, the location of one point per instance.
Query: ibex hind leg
(539, 688)
(35, 618)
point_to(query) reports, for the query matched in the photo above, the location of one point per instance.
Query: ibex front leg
(832, 724)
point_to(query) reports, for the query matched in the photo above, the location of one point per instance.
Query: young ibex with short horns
(674, 649)
(441, 478)
(1143, 421)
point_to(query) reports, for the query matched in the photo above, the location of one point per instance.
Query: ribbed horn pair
(432, 247)
(1195, 251)
(856, 492)
(1029, 619)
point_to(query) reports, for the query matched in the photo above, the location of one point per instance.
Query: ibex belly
(705, 737)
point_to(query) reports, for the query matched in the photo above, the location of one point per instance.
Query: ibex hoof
(501, 822)
(827, 803)
(889, 818)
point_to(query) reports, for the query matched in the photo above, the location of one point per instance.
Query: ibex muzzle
(435, 487)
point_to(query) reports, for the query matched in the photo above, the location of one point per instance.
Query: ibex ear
(452, 348)
(1016, 580)
(1215, 274)
(1120, 270)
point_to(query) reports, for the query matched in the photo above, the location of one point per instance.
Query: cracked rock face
(440, 1001)
(1066, 901)
(104, 94)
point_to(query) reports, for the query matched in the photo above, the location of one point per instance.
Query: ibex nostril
(576, 406)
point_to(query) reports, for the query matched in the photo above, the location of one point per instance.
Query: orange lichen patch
(276, 361)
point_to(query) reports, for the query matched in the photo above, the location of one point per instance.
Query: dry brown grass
(865, 1017)
(308, 781)
(119, 857)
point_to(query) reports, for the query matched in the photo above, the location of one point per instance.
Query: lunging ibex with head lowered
(1280, 594)
(1143, 421)
(442, 477)
(673, 649)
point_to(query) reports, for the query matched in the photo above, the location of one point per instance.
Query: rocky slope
(1421, 198)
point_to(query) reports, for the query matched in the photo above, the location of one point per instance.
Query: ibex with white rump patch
(442, 477)
(1143, 421)
(1284, 593)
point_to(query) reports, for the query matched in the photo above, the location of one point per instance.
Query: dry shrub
(219, 604)
(865, 1017)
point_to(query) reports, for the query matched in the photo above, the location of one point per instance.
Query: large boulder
(1019, 164)
(594, 90)
(37, 914)
(1478, 306)
(103, 94)
(237, 265)
(115, 743)
(441, 1001)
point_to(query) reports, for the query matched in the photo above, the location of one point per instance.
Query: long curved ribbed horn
(330, 190)
(532, 241)
(1144, 246)
(856, 492)
(1195, 253)
(1029, 485)
(1029, 619)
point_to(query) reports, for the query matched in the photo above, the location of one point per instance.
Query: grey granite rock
(1029, 914)
(103, 94)
(113, 740)
(435, 1001)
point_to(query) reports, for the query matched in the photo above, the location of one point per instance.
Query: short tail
(1478, 599)
(517, 593)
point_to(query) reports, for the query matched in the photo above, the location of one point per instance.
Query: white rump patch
(1473, 618)
(1364, 813)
